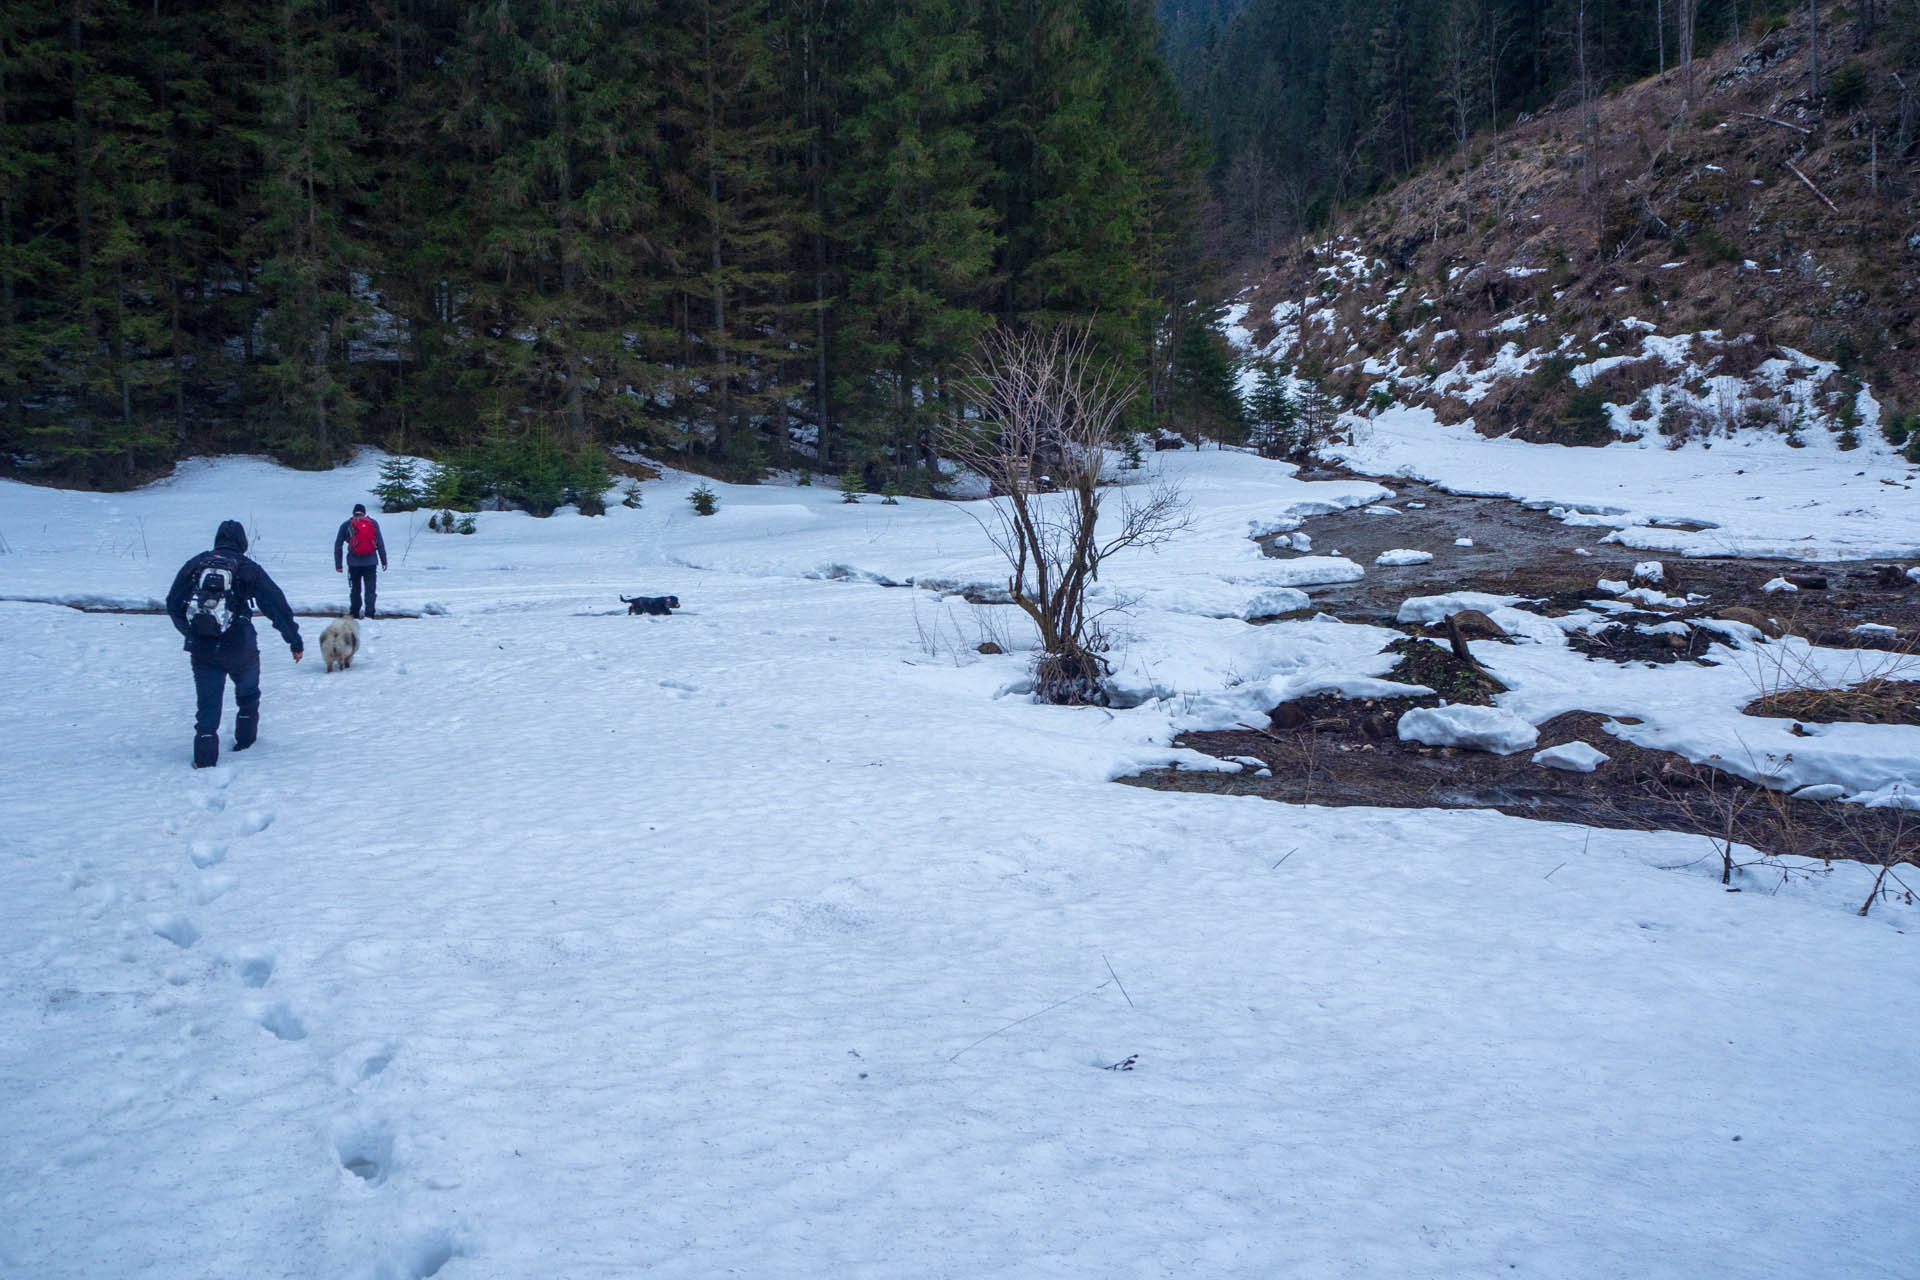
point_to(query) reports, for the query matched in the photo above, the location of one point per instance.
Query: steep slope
(1644, 262)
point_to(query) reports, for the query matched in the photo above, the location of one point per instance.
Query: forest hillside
(1677, 257)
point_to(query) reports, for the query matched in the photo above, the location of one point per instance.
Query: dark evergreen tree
(1206, 379)
(31, 246)
(304, 242)
(1272, 417)
(741, 217)
(910, 220)
(545, 261)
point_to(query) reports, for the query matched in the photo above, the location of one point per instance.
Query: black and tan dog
(661, 605)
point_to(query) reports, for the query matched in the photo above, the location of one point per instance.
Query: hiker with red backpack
(360, 535)
(211, 603)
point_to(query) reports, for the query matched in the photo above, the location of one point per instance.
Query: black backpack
(215, 606)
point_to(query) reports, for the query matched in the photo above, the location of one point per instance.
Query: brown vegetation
(1706, 215)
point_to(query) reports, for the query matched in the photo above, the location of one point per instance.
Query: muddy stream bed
(1327, 750)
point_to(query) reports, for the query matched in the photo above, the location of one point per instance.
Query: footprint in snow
(420, 1257)
(256, 970)
(284, 1023)
(215, 780)
(105, 900)
(365, 1149)
(177, 929)
(363, 1062)
(211, 888)
(256, 821)
(207, 853)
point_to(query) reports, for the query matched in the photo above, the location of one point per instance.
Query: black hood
(232, 537)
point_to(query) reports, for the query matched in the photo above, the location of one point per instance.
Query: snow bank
(1425, 609)
(1574, 757)
(1492, 729)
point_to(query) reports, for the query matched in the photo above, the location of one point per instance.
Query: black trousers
(212, 668)
(360, 578)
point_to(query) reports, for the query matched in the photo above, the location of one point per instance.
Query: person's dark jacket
(359, 562)
(252, 587)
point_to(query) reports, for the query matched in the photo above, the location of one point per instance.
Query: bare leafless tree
(1049, 408)
(1686, 14)
(1813, 49)
(1460, 71)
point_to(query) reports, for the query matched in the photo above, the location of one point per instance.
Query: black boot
(206, 750)
(246, 727)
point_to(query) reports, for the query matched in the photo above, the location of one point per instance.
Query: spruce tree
(738, 202)
(910, 220)
(1317, 415)
(541, 258)
(1272, 417)
(304, 241)
(398, 488)
(1206, 378)
(31, 251)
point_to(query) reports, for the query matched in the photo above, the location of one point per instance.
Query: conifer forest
(744, 233)
(749, 232)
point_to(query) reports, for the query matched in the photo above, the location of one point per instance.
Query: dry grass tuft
(1876, 701)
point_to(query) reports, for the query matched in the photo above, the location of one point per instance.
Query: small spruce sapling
(1848, 431)
(630, 496)
(399, 489)
(849, 486)
(890, 494)
(443, 487)
(705, 501)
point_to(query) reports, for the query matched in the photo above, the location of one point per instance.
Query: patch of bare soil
(1528, 552)
(1337, 751)
(1351, 756)
(1626, 642)
(1330, 750)
(1451, 677)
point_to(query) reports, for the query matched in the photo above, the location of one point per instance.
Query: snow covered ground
(780, 938)
(1756, 495)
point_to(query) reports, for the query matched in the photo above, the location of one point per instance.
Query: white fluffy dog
(339, 642)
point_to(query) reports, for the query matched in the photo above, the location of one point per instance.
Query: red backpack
(362, 536)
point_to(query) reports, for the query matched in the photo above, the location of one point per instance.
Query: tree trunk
(1813, 49)
(723, 436)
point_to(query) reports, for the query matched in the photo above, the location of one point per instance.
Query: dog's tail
(628, 599)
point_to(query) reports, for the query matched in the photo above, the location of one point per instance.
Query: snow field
(766, 938)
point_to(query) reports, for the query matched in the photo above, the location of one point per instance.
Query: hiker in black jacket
(211, 604)
(360, 535)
